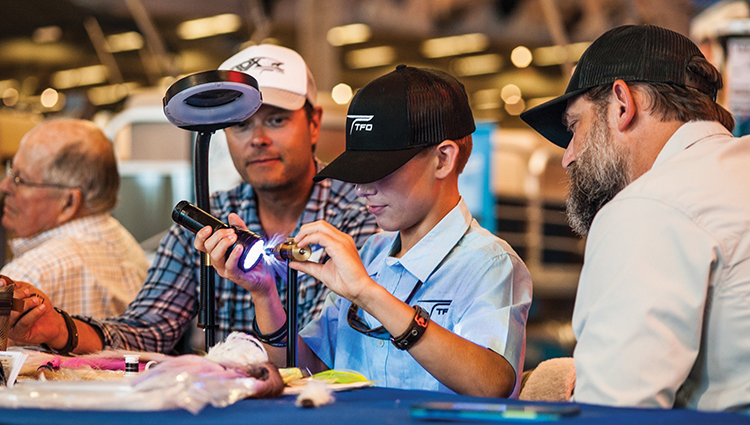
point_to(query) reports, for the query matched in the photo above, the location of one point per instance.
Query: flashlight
(194, 219)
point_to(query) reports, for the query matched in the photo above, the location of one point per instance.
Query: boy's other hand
(344, 273)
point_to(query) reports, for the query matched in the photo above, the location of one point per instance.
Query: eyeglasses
(359, 325)
(18, 181)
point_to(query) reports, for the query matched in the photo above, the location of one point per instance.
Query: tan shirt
(89, 266)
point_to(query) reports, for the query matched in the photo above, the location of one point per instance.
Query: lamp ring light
(211, 100)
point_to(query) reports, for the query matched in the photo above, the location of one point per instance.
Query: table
(361, 407)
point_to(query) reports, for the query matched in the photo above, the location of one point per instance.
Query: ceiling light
(515, 108)
(556, 55)
(45, 35)
(124, 42)
(371, 57)
(49, 97)
(486, 99)
(107, 95)
(10, 96)
(510, 93)
(341, 93)
(477, 65)
(207, 27)
(521, 57)
(85, 76)
(454, 45)
(348, 34)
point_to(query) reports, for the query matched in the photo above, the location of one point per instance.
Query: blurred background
(112, 60)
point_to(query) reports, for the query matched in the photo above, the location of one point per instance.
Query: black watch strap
(416, 330)
(72, 342)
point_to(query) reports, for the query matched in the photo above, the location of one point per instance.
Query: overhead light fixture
(107, 95)
(348, 34)
(86, 76)
(49, 97)
(208, 27)
(556, 55)
(510, 93)
(44, 35)
(515, 108)
(341, 93)
(125, 42)
(486, 99)
(521, 57)
(371, 57)
(10, 97)
(477, 65)
(454, 45)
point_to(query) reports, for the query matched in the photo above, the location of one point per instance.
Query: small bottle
(131, 364)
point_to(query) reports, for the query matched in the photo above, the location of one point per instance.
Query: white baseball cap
(283, 77)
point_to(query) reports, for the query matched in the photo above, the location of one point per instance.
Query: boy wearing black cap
(659, 185)
(451, 297)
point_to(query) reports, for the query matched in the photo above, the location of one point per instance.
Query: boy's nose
(364, 189)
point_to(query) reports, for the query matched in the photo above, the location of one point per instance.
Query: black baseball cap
(632, 53)
(394, 117)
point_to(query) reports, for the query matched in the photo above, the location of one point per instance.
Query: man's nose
(569, 155)
(6, 184)
(259, 137)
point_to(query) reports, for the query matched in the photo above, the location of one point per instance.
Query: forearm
(88, 339)
(459, 364)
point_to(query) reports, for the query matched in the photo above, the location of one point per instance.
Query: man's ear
(71, 205)
(315, 122)
(626, 106)
(447, 152)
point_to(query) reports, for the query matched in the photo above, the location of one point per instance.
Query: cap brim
(283, 99)
(366, 166)
(547, 119)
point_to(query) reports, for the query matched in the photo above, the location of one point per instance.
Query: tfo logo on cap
(360, 122)
(262, 64)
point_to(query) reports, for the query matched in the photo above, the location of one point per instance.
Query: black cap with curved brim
(632, 53)
(396, 116)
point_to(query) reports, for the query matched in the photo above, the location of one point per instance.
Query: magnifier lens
(213, 98)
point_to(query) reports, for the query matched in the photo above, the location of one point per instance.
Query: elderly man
(58, 194)
(659, 185)
(274, 153)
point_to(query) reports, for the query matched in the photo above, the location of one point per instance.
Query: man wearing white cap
(273, 151)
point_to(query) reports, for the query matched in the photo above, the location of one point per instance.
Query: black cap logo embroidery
(360, 123)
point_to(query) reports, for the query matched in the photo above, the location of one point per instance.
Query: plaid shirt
(168, 300)
(90, 265)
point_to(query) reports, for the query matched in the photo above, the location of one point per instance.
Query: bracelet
(275, 339)
(416, 330)
(72, 342)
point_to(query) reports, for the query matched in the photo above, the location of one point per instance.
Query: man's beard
(599, 173)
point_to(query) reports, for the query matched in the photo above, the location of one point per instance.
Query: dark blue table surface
(366, 406)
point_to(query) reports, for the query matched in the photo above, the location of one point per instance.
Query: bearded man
(659, 186)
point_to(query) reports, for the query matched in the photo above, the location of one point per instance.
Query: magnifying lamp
(205, 102)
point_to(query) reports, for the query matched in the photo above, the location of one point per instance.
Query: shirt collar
(73, 228)
(688, 135)
(430, 251)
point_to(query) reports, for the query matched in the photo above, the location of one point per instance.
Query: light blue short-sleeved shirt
(474, 285)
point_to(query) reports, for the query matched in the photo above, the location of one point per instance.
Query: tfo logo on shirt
(360, 122)
(262, 64)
